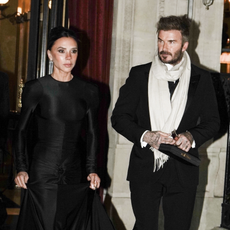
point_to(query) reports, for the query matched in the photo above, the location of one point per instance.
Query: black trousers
(178, 202)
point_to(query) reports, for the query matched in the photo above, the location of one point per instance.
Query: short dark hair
(60, 32)
(181, 23)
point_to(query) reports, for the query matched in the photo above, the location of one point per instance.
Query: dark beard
(177, 57)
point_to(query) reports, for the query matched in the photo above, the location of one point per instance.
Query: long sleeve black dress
(55, 196)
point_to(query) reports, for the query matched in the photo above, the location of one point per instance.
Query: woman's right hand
(21, 179)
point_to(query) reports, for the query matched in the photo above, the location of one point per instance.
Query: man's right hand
(21, 179)
(155, 138)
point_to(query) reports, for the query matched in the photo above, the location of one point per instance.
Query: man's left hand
(184, 141)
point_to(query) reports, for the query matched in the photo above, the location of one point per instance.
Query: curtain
(92, 21)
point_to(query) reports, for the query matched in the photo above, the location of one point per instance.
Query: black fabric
(3, 213)
(98, 219)
(174, 151)
(59, 163)
(78, 208)
(177, 201)
(172, 86)
(60, 110)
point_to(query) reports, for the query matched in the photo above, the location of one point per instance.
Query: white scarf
(166, 114)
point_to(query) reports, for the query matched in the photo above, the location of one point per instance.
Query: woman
(61, 104)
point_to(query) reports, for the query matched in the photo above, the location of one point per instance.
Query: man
(168, 94)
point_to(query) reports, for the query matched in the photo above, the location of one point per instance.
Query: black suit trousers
(177, 201)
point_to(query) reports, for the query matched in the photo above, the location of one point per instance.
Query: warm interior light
(3, 1)
(225, 58)
(50, 4)
(19, 11)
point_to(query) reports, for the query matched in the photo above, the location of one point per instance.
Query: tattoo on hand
(153, 138)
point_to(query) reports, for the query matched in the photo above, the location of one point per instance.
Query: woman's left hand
(94, 181)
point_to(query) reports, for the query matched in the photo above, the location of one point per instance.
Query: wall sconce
(21, 17)
(207, 3)
(50, 4)
(3, 2)
(17, 17)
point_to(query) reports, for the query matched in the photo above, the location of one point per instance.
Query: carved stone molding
(161, 7)
(124, 35)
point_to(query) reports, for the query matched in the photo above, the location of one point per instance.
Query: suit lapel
(192, 87)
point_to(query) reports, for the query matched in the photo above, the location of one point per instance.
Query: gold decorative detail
(185, 155)
(21, 85)
(207, 3)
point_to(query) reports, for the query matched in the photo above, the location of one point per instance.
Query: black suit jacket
(130, 118)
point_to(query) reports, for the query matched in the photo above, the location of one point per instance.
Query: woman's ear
(49, 55)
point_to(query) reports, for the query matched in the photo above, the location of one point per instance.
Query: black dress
(56, 198)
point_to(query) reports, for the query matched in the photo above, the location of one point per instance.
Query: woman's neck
(62, 76)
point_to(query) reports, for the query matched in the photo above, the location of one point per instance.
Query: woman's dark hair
(60, 32)
(181, 23)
